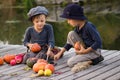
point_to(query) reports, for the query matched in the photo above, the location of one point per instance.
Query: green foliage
(28, 4)
(19, 3)
(61, 30)
(108, 26)
(64, 3)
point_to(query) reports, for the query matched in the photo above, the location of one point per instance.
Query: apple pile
(42, 68)
(13, 59)
(17, 60)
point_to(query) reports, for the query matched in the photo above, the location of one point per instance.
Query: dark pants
(41, 55)
(38, 55)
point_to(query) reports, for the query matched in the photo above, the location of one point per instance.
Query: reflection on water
(13, 25)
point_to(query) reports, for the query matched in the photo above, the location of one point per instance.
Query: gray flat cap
(37, 10)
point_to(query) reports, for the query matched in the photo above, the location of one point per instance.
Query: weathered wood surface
(109, 69)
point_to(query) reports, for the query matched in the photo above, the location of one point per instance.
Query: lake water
(13, 23)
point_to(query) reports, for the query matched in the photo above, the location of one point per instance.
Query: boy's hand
(30, 45)
(49, 52)
(81, 51)
(57, 56)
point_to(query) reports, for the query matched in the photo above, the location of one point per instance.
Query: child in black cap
(40, 33)
(86, 35)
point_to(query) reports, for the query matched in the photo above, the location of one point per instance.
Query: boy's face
(72, 22)
(39, 21)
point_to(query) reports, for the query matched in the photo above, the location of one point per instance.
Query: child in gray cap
(40, 33)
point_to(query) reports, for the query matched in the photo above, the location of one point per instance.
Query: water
(13, 23)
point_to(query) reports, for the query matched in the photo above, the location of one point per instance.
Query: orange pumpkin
(35, 47)
(77, 46)
(39, 66)
(51, 67)
(1, 61)
(41, 60)
(8, 57)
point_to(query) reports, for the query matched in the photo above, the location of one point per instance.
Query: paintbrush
(49, 49)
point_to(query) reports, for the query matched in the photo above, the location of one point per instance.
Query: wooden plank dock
(109, 69)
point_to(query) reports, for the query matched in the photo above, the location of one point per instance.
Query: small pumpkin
(1, 61)
(77, 46)
(39, 66)
(51, 67)
(41, 60)
(8, 57)
(35, 48)
(31, 61)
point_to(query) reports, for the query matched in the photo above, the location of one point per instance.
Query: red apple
(13, 62)
(18, 59)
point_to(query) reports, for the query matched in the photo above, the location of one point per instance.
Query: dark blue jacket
(46, 36)
(89, 35)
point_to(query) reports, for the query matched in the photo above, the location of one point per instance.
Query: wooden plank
(69, 74)
(31, 72)
(18, 70)
(15, 51)
(107, 73)
(28, 74)
(114, 77)
(110, 57)
(71, 53)
(64, 69)
(4, 66)
(9, 48)
(3, 46)
(19, 78)
(101, 70)
(10, 68)
(109, 52)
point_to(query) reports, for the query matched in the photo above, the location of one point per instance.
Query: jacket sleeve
(27, 37)
(95, 37)
(51, 40)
